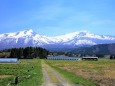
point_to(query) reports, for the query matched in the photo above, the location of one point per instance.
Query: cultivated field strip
(88, 73)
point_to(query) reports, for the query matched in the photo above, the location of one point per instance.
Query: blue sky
(57, 17)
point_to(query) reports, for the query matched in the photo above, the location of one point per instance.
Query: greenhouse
(9, 60)
(63, 58)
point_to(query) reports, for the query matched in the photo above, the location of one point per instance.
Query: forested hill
(96, 49)
(25, 53)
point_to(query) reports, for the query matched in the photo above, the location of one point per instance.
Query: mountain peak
(83, 31)
(23, 33)
(78, 33)
(30, 30)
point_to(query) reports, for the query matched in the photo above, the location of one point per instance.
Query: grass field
(28, 70)
(89, 73)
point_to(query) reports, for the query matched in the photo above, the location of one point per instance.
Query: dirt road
(53, 78)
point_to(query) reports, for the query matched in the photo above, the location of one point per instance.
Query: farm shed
(62, 58)
(90, 58)
(9, 60)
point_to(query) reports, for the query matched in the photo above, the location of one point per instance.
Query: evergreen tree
(28, 52)
(12, 54)
(20, 53)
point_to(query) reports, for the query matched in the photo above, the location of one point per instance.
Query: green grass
(29, 72)
(73, 78)
(5, 81)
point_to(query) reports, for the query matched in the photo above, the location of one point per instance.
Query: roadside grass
(74, 78)
(29, 72)
(100, 72)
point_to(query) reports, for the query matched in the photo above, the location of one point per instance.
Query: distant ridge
(102, 49)
(72, 40)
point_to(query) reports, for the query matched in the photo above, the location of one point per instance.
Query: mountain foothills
(101, 49)
(72, 40)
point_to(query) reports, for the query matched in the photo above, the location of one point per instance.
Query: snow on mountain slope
(30, 38)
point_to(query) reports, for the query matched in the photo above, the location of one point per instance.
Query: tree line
(28, 52)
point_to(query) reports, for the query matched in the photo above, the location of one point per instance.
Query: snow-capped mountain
(30, 38)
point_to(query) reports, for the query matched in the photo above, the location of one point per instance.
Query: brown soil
(106, 82)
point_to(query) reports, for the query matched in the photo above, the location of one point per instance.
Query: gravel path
(53, 78)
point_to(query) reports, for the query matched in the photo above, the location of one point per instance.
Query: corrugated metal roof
(90, 57)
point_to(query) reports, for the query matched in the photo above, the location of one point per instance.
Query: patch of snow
(87, 42)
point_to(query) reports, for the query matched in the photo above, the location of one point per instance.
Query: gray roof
(89, 57)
